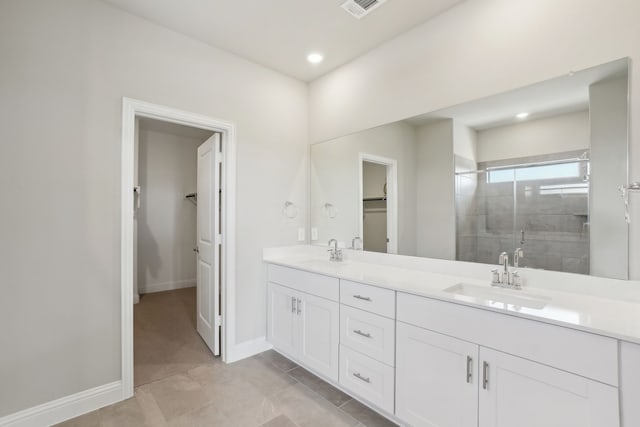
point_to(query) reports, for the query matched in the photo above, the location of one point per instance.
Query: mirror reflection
(533, 172)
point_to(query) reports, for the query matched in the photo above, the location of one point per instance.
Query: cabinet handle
(361, 378)
(485, 375)
(469, 369)
(362, 298)
(299, 310)
(293, 305)
(364, 334)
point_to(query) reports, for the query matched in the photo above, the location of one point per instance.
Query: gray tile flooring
(264, 390)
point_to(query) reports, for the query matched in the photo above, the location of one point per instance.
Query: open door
(209, 240)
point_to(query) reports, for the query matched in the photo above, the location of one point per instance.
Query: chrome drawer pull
(293, 305)
(485, 375)
(469, 371)
(360, 377)
(364, 334)
(362, 298)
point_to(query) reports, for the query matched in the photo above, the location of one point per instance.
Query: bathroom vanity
(430, 343)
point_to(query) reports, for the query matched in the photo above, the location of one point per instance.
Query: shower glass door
(540, 205)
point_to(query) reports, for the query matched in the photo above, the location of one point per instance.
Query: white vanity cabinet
(517, 392)
(445, 381)
(423, 361)
(302, 325)
(436, 379)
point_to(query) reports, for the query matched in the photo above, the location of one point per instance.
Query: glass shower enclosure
(539, 204)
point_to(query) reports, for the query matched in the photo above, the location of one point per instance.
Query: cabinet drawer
(367, 378)
(592, 356)
(370, 298)
(311, 283)
(368, 333)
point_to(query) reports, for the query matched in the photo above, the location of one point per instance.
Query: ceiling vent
(361, 8)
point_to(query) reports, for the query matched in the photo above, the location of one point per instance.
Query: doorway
(176, 262)
(213, 251)
(378, 203)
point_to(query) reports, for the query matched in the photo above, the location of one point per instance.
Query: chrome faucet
(506, 278)
(503, 260)
(518, 254)
(335, 254)
(357, 240)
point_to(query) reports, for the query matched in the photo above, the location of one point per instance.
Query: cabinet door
(282, 320)
(518, 392)
(319, 334)
(436, 379)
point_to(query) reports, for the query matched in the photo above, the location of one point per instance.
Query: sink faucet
(356, 243)
(506, 278)
(335, 254)
(518, 254)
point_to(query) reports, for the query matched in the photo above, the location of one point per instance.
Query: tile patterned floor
(179, 383)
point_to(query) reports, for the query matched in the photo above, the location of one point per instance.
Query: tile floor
(164, 335)
(179, 385)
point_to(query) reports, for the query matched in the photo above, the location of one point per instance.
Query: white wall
(607, 229)
(555, 134)
(335, 180)
(465, 141)
(476, 49)
(435, 192)
(166, 220)
(65, 67)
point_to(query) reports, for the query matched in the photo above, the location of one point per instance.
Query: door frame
(132, 108)
(392, 197)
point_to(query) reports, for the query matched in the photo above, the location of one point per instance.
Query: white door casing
(132, 108)
(208, 243)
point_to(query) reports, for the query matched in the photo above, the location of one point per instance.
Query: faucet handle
(495, 277)
(516, 280)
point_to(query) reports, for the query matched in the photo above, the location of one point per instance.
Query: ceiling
(279, 34)
(552, 97)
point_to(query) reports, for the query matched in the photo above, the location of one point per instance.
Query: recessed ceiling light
(315, 58)
(522, 115)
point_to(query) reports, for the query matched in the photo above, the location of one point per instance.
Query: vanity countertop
(608, 315)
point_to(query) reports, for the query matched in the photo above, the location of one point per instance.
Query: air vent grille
(361, 8)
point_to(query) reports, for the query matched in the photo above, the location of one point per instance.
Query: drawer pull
(364, 334)
(469, 369)
(485, 375)
(362, 298)
(361, 378)
(293, 304)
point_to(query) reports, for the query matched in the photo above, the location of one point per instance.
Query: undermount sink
(497, 297)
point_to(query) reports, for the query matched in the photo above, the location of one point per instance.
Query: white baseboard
(248, 349)
(66, 407)
(136, 298)
(166, 286)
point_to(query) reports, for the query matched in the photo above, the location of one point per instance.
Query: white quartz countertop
(609, 315)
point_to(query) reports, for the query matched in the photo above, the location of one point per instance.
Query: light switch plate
(314, 233)
(301, 234)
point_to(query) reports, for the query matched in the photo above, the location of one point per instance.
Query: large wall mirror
(536, 170)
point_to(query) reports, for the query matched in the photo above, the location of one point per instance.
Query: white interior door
(209, 240)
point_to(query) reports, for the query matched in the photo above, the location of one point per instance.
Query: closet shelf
(192, 197)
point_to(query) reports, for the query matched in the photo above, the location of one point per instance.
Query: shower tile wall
(556, 232)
